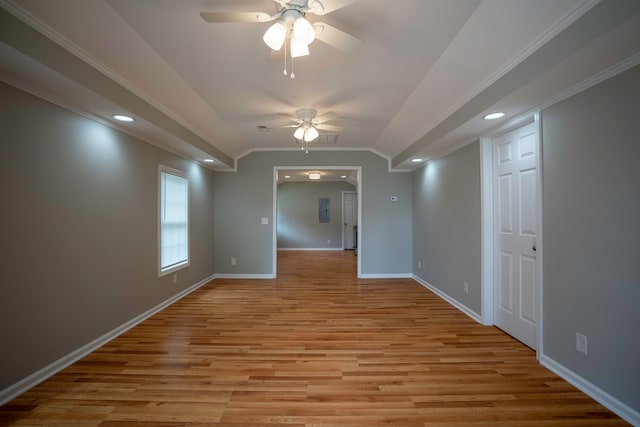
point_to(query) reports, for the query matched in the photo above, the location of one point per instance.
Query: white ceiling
(417, 86)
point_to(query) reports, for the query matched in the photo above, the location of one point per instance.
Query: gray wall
(79, 246)
(297, 210)
(591, 207)
(242, 198)
(446, 225)
(79, 242)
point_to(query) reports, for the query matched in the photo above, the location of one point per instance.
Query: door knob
(534, 247)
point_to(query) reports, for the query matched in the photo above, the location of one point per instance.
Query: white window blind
(174, 221)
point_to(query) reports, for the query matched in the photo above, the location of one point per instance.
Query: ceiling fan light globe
(298, 48)
(311, 134)
(299, 133)
(303, 31)
(274, 37)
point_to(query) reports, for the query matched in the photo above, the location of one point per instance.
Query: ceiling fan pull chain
(285, 60)
(293, 75)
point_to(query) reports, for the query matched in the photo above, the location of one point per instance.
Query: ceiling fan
(308, 124)
(291, 23)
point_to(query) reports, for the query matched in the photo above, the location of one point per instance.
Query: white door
(350, 218)
(515, 225)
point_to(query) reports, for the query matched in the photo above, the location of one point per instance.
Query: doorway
(351, 173)
(349, 220)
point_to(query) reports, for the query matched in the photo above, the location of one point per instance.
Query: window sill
(173, 269)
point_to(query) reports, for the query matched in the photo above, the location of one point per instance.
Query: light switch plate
(581, 343)
(265, 221)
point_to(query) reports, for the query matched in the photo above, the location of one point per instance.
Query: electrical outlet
(419, 265)
(581, 343)
(233, 261)
(466, 287)
(175, 279)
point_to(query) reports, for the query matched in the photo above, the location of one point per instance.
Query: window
(173, 220)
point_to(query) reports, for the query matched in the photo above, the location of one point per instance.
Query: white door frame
(274, 224)
(487, 223)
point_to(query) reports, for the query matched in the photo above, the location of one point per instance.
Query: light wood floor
(315, 347)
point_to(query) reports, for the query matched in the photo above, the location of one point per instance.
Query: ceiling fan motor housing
(290, 14)
(306, 114)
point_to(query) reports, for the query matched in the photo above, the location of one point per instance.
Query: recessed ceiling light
(493, 116)
(209, 160)
(287, 176)
(314, 176)
(123, 118)
(417, 160)
(343, 176)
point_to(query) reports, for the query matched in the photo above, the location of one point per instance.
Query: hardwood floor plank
(314, 347)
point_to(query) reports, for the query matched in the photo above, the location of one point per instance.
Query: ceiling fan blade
(322, 7)
(284, 121)
(329, 128)
(214, 17)
(335, 37)
(326, 117)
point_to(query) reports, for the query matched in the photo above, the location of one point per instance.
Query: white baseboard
(386, 276)
(310, 249)
(463, 308)
(245, 276)
(39, 376)
(596, 393)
